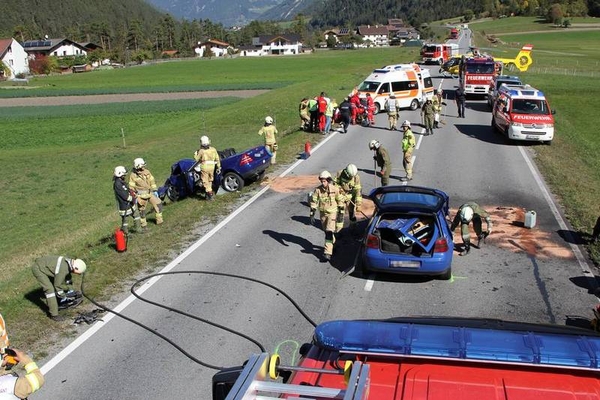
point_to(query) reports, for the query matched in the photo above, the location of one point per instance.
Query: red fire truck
(476, 74)
(426, 358)
(453, 33)
(438, 53)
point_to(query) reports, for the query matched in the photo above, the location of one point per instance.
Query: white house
(278, 44)
(14, 57)
(377, 35)
(54, 47)
(218, 48)
(250, 51)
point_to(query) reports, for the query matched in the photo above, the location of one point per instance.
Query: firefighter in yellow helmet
(143, 184)
(328, 199)
(269, 131)
(20, 387)
(208, 164)
(348, 181)
(54, 274)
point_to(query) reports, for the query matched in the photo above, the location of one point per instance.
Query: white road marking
(105, 319)
(369, 285)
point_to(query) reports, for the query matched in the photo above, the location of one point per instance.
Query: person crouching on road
(143, 184)
(382, 160)
(348, 181)
(466, 213)
(392, 106)
(209, 164)
(408, 145)
(126, 203)
(13, 386)
(54, 274)
(269, 131)
(328, 199)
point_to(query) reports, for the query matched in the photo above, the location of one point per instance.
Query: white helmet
(204, 141)
(351, 170)
(406, 123)
(79, 266)
(268, 120)
(139, 163)
(325, 175)
(120, 171)
(373, 145)
(466, 214)
(392, 95)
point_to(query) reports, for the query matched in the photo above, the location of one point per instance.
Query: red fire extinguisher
(307, 149)
(120, 240)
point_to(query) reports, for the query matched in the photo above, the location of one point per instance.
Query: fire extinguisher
(120, 240)
(306, 149)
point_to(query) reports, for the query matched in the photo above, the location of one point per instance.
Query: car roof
(408, 198)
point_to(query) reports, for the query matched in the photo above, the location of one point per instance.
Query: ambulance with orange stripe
(411, 84)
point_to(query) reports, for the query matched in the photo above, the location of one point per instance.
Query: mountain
(227, 12)
(287, 10)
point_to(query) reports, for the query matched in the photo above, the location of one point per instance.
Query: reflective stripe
(33, 381)
(209, 162)
(30, 367)
(50, 295)
(58, 262)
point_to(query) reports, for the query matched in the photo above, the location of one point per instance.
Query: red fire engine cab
(476, 74)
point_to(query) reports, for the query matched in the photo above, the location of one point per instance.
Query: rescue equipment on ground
(120, 240)
(88, 317)
(530, 218)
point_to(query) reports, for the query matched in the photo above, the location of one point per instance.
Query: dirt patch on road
(126, 97)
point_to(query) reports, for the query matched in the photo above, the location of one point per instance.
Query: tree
(468, 15)
(555, 14)
(331, 42)
(566, 23)
(135, 35)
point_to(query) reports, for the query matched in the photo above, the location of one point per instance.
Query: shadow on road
(286, 238)
(574, 237)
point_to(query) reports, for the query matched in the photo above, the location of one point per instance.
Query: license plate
(405, 264)
(532, 137)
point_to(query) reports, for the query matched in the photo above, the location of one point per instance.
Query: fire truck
(454, 33)
(438, 53)
(476, 74)
(425, 358)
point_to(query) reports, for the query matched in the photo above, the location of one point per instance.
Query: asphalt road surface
(530, 275)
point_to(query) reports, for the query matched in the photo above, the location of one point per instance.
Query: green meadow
(57, 162)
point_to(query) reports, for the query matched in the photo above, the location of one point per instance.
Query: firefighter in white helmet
(142, 182)
(348, 181)
(328, 199)
(382, 160)
(408, 145)
(54, 274)
(13, 386)
(269, 131)
(466, 213)
(126, 201)
(209, 164)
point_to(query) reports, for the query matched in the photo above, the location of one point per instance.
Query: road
(520, 274)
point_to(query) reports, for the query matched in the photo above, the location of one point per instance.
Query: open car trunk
(407, 233)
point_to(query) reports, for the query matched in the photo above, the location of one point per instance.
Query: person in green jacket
(382, 160)
(54, 274)
(466, 213)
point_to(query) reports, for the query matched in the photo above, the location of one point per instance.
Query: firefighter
(208, 164)
(408, 145)
(461, 99)
(126, 202)
(382, 159)
(370, 109)
(54, 274)
(313, 110)
(428, 115)
(437, 108)
(466, 213)
(345, 111)
(269, 131)
(348, 181)
(143, 185)
(328, 199)
(304, 115)
(392, 106)
(13, 386)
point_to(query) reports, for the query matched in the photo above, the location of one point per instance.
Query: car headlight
(517, 124)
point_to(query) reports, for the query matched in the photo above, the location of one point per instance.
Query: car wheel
(446, 275)
(232, 182)
(414, 104)
(173, 193)
(377, 108)
(548, 142)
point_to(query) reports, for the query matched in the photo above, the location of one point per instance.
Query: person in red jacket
(370, 109)
(354, 107)
(322, 105)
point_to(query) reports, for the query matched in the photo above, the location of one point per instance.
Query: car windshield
(367, 86)
(426, 200)
(529, 106)
(480, 68)
(429, 49)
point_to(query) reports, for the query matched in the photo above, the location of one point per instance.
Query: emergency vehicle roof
(520, 91)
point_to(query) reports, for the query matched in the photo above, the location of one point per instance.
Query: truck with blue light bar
(426, 358)
(522, 112)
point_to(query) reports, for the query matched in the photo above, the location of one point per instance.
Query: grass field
(57, 162)
(525, 24)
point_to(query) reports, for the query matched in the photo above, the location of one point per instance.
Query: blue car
(236, 170)
(408, 233)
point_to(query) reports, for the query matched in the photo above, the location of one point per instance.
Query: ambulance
(411, 84)
(522, 112)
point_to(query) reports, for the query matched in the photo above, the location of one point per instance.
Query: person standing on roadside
(461, 99)
(328, 199)
(322, 107)
(392, 106)
(331, 106)
(304, 115)
(126, 202)
(142, 182)
(269, 131)
(345, 111)
(428, 115)
(382, 160)
(408, 145)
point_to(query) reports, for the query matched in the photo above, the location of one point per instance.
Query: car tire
(446, 275)
(173, 193)
(414, 104)
(232, 182)
(548, 142)
(377, 108)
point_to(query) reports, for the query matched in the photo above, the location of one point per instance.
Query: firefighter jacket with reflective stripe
(408, 141)
(208, 158)
(142, 182)
(20, 387)
(269, 132)
(383, 158)
(350, 187)
(3, 335)
(392, 106)
(59, 271)
(122, 194)
(327, 199)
